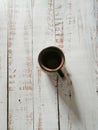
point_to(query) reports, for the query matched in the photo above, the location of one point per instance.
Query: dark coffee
(51, 59)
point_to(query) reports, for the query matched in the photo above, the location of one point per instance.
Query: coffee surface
(51, 60)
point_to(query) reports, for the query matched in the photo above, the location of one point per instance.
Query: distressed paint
(59, 21)
(45, 93)
(76, 107)
(20, 65)
(3, 64)
(36, 100)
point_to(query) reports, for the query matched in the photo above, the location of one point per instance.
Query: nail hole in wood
(19, 100)
(70, 95)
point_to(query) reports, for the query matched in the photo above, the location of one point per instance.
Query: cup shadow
(66, 91)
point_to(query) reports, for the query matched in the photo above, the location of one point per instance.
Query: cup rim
(62, 59)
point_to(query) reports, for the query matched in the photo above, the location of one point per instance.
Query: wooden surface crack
(58, 103)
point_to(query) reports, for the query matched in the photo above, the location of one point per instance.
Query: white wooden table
(29, 98)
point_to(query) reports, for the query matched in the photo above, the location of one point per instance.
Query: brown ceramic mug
(51, 59)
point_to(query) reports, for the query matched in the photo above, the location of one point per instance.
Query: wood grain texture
(78, 109)
(3, 64)
(96, 46)
(45, 90)
(20, 65)
(39, 100)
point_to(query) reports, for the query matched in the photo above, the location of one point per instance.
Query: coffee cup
(52, 59)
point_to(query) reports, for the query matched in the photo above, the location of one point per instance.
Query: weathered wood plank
(78, 109)
(20, 65)
(96, 46)
(3, 65)
(45, 92)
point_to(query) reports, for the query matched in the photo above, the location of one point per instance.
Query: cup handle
(60, 73)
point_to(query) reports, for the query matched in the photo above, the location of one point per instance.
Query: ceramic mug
(52, 59)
